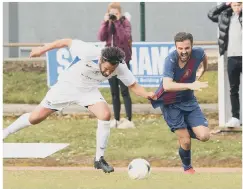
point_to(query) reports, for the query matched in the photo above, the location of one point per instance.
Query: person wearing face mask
(115, 30)
(175, 95)
(229, 19)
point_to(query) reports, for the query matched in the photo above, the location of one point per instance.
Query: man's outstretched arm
(38, 51)
(140, 91)
(170, 86)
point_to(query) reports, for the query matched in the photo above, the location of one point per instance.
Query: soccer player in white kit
(78, 84)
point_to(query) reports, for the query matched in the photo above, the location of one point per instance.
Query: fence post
(142, 21)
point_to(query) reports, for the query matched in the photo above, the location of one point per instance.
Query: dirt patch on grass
(155, 162)
(154, 169)
(33, 66)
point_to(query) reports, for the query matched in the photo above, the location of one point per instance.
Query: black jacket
(222, 14)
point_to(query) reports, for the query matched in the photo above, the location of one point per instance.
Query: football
(138, 169)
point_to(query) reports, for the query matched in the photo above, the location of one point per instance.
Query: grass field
(31, 87)
(118, 180)
(151, 140)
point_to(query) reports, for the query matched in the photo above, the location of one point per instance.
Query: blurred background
(47, 21)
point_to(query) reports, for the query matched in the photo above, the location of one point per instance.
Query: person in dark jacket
(115, 30)
(229, 19)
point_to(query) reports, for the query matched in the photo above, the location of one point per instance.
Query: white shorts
(61, 96)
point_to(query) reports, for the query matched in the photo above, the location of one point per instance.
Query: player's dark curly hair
(182, 36)
(113, 55)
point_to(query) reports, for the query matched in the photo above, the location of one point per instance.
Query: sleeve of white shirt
(83, 50)
(125, 75)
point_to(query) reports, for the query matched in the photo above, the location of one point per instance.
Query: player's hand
(198, 85)
(106, 17)
(228, 3)
(151, 96)
(36, 52)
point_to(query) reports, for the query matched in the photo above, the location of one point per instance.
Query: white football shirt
(84, 71)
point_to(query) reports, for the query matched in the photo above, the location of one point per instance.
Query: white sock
(20, 123)
(102, 135)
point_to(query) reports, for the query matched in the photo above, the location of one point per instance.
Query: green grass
(31, 87)
(151, 140)
(24, 87)
(117, 180)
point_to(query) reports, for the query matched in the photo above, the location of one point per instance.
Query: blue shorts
(179, 117)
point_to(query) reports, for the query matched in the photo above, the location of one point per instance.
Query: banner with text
(146, 64)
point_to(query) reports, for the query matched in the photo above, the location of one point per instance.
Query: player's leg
(199, 124)
(115, 94)
(185, 149)
(96, 104)
(174, 118)
(102, 112)
(39, 114)
(202, 133)
(36, 116)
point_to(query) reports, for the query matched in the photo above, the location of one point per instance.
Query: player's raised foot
(102, 164)
(190, 171)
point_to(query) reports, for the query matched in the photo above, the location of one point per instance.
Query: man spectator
(229, 19)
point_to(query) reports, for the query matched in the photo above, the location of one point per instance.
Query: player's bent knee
(204, 137)
(204, 134)
(185, 142)
(39, 115)
(33, 120)
(106, 115)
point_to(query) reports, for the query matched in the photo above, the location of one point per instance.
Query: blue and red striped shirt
(187, 74)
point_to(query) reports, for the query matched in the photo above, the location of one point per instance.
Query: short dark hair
(113, 55)
(182, 36)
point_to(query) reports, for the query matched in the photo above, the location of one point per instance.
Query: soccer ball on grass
(138, 169)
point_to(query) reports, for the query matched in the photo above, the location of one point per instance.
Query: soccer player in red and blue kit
(176, 99)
